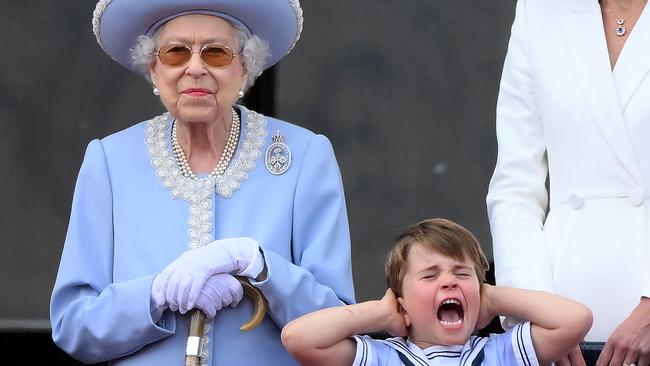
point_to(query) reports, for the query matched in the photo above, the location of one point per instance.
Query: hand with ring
(629, 344)
(573, 358)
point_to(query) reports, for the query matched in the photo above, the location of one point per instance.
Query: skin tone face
(196, 92)
(440, 298)
(199, 96)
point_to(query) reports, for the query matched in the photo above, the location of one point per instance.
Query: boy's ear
(405, 315)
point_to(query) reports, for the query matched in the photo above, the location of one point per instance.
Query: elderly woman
(167, 211)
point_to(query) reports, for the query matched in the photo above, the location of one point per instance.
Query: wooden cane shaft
(197, 322)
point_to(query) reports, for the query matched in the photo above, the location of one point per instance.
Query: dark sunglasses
(213, 55)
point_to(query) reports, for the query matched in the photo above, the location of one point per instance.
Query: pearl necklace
(226, 155)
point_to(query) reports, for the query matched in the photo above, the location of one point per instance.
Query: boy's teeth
(450, 324)
(451, 301)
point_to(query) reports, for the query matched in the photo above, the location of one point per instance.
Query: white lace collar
(162, 159)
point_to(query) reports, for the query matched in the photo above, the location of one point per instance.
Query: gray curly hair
(254, 52)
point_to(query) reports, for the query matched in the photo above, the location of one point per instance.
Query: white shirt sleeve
(373, 352)
(514, 347)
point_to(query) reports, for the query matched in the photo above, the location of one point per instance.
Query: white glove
(219, 290)
(180, 283)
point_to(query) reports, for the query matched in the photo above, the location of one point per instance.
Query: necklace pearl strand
(226, 155)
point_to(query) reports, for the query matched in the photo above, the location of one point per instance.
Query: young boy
(436, 297)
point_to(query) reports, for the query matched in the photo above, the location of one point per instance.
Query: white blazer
(562, 111)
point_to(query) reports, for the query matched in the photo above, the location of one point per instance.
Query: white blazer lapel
(633, 64)
(588, 53)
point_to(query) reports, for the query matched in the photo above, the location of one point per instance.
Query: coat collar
(581, 6)
(587, 50)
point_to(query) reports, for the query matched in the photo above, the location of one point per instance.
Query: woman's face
(196, 92)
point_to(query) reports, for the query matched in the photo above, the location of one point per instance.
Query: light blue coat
(125, 227)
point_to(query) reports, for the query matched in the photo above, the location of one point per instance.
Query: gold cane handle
(259, 302)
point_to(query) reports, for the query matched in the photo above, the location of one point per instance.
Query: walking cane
(197, 322)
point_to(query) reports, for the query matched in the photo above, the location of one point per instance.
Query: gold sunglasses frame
(199, 51)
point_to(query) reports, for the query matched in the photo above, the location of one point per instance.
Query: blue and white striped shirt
(515, 347)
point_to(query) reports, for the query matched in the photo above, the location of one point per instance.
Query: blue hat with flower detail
(118, 23)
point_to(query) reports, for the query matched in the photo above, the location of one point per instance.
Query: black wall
(405, 90)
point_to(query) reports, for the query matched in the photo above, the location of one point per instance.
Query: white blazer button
(635, 197)
(575, 201)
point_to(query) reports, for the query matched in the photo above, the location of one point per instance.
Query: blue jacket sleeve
(94, 319)
(320, 273)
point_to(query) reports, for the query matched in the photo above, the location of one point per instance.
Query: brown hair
(441, 235)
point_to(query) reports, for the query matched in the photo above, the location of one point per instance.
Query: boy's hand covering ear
(485, 315)
(394, 320)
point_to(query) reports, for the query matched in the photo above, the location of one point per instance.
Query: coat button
(635, 197)
(575, 201)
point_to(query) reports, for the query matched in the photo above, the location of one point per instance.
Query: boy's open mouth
(450, 313)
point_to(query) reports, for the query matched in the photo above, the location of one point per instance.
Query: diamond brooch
(278, 155)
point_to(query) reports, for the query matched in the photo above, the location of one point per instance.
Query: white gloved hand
(180, 283)
(219, 291)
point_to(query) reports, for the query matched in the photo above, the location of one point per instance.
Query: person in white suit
(574, 107)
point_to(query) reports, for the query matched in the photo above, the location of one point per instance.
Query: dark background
(405, 90)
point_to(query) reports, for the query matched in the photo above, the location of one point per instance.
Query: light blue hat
(118, 23)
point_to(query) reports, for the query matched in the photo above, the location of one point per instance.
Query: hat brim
(118, 23)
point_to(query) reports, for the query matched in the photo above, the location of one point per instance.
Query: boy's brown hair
(441, 235)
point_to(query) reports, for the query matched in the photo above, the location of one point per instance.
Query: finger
(163, 279)
(210, 312)
(564, 361)
(575, 357)
(183, 293)
(158, 292)
(631, 357)
(173, 307)
(159, 297)
(235, 289)
(605, 355)
(218, 305)
(236, 298)
(617, 357)
(226, 298)
(167, 274)
(209, 292)
(195, 289)
(222, 291)
(643, 348)
(206, 306)
(172, 290)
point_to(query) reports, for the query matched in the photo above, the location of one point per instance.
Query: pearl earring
(240, 94)
(155, 91)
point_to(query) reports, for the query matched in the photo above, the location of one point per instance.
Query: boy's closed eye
(429, 276)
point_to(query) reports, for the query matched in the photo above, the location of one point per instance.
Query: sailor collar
(469, 354)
